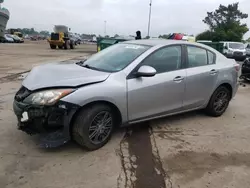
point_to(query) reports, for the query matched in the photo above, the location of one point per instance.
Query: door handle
(178, 78)
(213, 72)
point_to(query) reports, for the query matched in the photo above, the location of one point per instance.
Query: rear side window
(211, 57)
(196, 56)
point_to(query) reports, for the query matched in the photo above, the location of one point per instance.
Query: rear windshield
(236, 45)
(116, 57)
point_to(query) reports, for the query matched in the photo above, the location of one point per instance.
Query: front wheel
(52, 46)
(93, 126)
(219, 102)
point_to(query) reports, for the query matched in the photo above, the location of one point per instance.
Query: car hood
(62, 74)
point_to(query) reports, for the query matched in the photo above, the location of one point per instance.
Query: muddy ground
(183, 151)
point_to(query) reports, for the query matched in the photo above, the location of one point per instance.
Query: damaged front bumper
(52, 123)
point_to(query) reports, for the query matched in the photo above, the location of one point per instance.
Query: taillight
(237, 67)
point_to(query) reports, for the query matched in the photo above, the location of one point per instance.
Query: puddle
(140, 159)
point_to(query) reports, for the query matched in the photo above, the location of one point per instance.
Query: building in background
(4, 17)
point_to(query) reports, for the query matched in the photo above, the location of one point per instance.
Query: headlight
(244, 53)
(230, 51)
(47, 97)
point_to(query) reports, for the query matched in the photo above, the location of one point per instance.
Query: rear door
(161, 94)
(201, 78)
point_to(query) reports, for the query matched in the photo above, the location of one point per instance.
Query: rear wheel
(93, 126)
(52, 46)
(219, 102)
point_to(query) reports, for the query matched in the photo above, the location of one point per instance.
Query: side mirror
(146, 71)
(226, 48)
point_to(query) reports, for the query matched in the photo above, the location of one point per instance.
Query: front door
(161, 94)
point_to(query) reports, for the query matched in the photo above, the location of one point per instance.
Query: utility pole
(149, 19)
(105, 28)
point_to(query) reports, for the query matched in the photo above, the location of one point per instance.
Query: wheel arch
(223, 84)
(228, 86)
(114, 108)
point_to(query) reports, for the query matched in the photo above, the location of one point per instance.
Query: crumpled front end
(52, 123)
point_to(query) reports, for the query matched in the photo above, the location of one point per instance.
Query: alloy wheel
(221, 101)
(101, 127)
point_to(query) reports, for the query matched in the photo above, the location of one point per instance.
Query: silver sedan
(124, 84)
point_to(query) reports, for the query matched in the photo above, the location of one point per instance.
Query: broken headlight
(47, 97)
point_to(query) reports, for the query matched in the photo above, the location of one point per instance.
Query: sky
(123, 17)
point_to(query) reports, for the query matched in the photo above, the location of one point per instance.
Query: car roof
(160, 42)
(154, 42)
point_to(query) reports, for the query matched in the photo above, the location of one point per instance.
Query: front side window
(116, 57)
(196, 56)
(165, 60)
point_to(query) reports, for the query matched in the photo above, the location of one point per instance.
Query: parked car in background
(248, 50)
(76, 39)
(127, 83)
(18, 39)
(8, 39)
(245, 70)
(15, 38)
(235, 50)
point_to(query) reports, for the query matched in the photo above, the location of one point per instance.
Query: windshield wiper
(81, 63)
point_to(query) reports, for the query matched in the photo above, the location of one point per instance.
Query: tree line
(32, 31)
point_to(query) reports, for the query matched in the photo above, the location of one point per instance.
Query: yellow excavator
(61, 38)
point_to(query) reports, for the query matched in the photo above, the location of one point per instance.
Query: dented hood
(62, 75)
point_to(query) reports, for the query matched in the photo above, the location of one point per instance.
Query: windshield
(236, 45)
(116, 57)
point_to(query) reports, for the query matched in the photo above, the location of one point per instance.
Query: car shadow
(73, 147)
(121, 133)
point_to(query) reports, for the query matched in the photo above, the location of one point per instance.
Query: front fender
(114, 93)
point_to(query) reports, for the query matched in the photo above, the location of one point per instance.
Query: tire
(67, 45)
(212, 108)
(52, 46)
(60, 47)
(72, 46)
(84, 121)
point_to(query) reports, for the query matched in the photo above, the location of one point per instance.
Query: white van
(235, 50)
